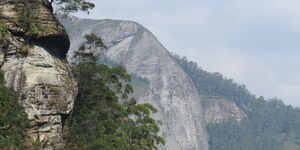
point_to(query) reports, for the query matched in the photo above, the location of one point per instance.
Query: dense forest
(270, 124)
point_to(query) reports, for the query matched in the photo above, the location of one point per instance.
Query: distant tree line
(270, 124)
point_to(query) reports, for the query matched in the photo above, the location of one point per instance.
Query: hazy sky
(255, 42)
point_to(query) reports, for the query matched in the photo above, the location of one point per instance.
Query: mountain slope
(236, 118)
(270, 124)
(170, 90)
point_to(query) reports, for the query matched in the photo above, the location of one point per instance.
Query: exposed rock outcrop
(31, 56)
(170, 89)
(35, 22)
(217, 110)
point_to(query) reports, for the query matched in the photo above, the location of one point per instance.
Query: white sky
(255, 42)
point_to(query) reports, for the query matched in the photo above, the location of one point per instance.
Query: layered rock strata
(32, 51)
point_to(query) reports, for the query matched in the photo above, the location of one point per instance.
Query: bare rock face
(31, 58)
(218, 110)
(170, 90)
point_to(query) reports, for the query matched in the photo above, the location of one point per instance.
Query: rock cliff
(32, 51)
(218, 110)
(170, 88)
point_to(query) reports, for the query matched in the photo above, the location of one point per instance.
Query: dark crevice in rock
(56, 45)
(44, 66)
(63, 119)
(54, 114)
(40, 124)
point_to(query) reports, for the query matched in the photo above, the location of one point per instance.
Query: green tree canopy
(71, 6)
(104, 115)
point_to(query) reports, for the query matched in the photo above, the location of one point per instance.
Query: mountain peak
(170, 89)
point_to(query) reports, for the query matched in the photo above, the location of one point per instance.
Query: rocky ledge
(217, 110)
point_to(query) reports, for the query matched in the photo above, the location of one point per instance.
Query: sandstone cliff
(170, 88)
(32, 52)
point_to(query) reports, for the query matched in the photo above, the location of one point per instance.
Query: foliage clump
(71, 6)
(104, 115)
(13, 119)
(3, 36)
(3, 29)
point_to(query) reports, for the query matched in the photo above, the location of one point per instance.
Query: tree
(13, 119)
(89, 51)
(71, 6)
(104, 115)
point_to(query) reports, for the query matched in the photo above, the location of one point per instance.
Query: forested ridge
(270, 124)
